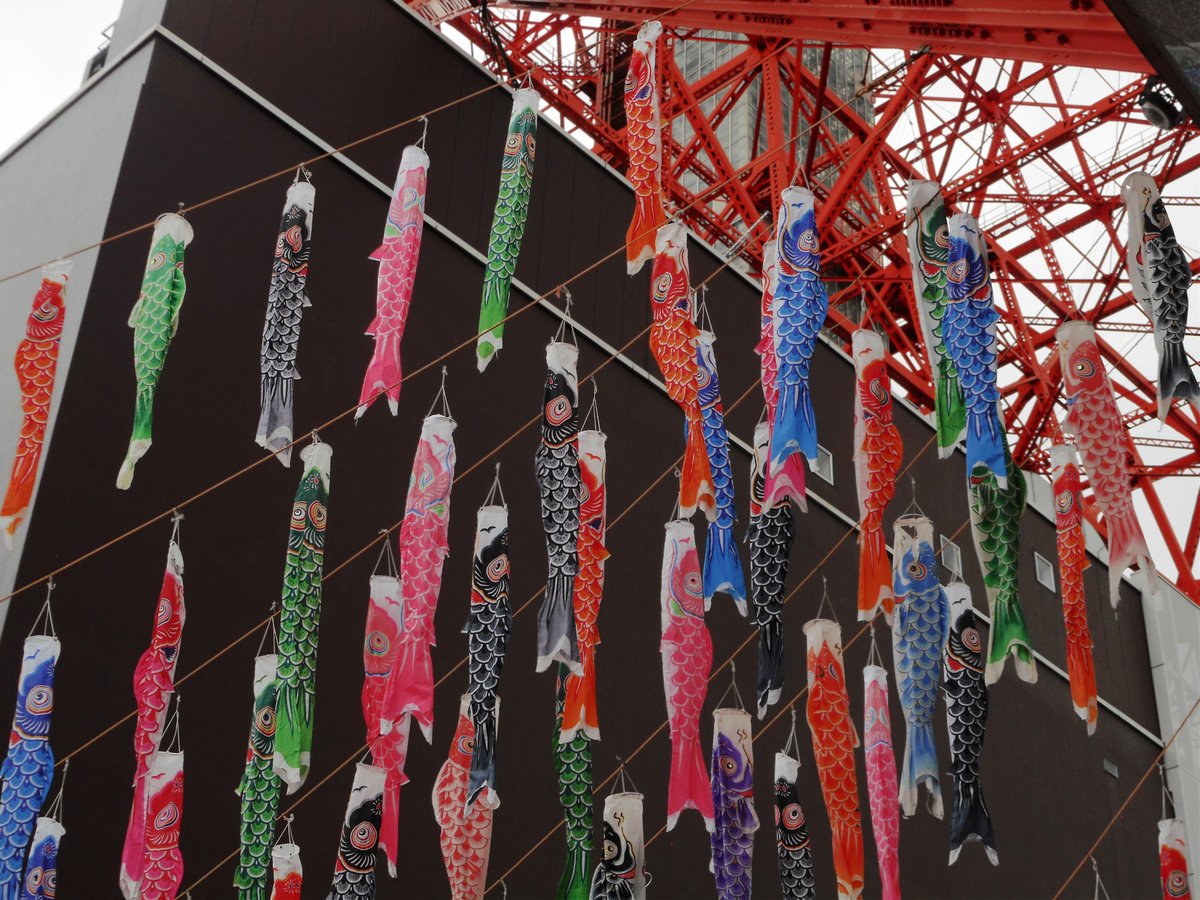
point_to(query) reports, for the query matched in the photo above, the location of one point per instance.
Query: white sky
(44, 46)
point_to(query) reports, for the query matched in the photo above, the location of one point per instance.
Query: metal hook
(564, 293)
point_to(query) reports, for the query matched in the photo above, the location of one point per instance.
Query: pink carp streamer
(35, 362)
(466, 835)
(687, 658)
(153, 687)
(162, 872)
(389, 749)
(882, 784)
(423, 549)
(397, 257)
(1100, 434)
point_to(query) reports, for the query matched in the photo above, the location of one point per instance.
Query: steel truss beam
(1014, 141)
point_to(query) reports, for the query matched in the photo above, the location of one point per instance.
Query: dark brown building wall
(345, 70)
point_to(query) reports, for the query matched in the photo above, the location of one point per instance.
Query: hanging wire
(424, 131)
(386, 555)
(624, 779)
(45, 613)
(873, 657)
(826, 602)
(1100, 888)
(564, 293)
(913, 506)
(702, 317)
(176, 518)
(55, 809)
(302, 170)
(1166, 791)
(175, 742)
(286, 831)
(591, 421)
(737, 695)
(677, 510)
(496, 489)
(269, 630)
(289, 170)
(792, 745)
(443, 396)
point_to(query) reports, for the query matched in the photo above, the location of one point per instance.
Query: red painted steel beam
(1003, 29)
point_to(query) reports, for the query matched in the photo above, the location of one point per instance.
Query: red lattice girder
(1017, 135)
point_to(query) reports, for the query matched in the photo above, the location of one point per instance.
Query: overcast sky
(43, 49)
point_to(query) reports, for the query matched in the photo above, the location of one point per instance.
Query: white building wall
(1173, 636)
(56, 187)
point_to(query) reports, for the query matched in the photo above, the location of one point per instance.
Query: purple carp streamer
(556, 465)
(1102, 440)
(281, 331)
(722, 565)
(1160, 276)
(153, 687)
(397, 257)
(734, 818)
(29, 764)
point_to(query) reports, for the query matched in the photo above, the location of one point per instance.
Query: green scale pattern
(573, 762)
(996, 528)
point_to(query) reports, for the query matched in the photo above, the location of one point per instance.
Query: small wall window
(1045, 571)
(952, 556)
(824, 466)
